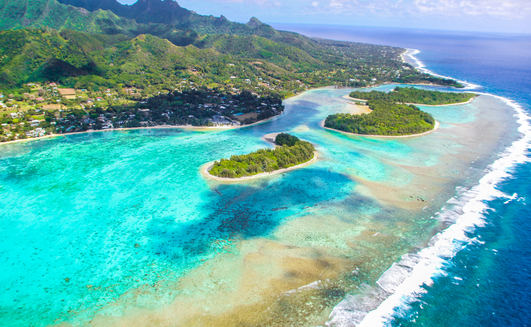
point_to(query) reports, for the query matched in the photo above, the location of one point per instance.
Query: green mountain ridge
(143, 11)
(44, 40)
(171, 14)
(51, 14)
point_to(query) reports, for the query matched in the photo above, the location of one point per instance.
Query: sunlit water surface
(116, 227)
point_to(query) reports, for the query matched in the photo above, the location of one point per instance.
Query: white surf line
(404, 281)
(420, 65)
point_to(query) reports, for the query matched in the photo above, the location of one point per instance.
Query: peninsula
(290, 152)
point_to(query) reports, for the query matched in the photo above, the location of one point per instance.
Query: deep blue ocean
(488, 283)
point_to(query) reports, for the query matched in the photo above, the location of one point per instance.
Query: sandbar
(356, 109)
(270, 138)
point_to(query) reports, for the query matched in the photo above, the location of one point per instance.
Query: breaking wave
(404, 281)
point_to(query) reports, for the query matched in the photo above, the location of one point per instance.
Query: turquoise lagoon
(120, 227)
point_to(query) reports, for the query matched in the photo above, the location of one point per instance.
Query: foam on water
(420, 65)
(405, 280)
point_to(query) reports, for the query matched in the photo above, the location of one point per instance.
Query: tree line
(387, 118)
(265, 160)
(413, 95)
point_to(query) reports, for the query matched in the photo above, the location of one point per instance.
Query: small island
(394, 114)
(289, 152)
(386, 118)
(411, 95)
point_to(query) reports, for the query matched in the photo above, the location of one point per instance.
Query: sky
(505, 16)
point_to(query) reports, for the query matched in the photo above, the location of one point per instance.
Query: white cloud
(495, 15)
(336, 5)
(500, 8)
(402, 8)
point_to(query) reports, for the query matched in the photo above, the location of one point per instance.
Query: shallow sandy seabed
(298, 274)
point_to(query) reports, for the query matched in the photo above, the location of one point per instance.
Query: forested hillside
(291, 61)
(83, 64)
(18, 14)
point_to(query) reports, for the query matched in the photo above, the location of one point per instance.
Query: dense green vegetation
(416, 96)
(18, 14)
(386, 118)
(286, 139)
(265, 160)
(127, 45)
(195, 107)
(92, 61)
(121, 60)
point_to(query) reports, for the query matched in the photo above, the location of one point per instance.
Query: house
(220, 120)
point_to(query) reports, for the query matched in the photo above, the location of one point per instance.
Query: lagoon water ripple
(117, 225)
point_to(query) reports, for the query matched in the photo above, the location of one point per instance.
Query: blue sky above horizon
(505, 16)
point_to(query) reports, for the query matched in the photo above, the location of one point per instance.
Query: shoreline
(473, 215)
(139, 128)
(204, 170)
(270, 138)
(417, 64)
(471, 218)
(436, 127)
(188, 127)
